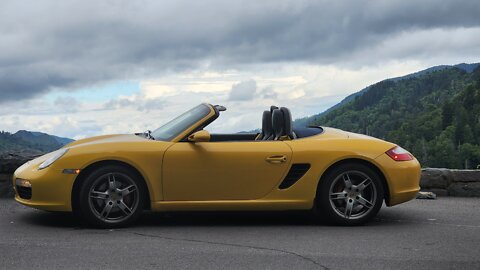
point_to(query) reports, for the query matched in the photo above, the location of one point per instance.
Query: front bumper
(403, 179)
(50, 188)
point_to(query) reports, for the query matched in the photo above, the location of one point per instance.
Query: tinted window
(173, 128)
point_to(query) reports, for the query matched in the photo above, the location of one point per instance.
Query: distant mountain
(30, 141)
(469, 68)
(42, 138)
(434, 113)
(62, 141)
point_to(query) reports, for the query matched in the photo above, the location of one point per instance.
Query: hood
(106, 139)
(330, 133)
(352, 135)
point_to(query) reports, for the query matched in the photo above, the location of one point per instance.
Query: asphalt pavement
(421, 234)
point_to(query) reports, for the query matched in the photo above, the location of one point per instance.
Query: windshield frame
(186, 131)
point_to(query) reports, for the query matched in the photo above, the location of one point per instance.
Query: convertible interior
(276, 125)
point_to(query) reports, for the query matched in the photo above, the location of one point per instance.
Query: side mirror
(199, 136)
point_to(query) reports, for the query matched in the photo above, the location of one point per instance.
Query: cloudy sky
(83, 68)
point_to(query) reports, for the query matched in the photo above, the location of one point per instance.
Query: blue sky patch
(99, 93)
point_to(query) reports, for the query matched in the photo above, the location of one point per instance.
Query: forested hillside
(34, 142)
(436, 116)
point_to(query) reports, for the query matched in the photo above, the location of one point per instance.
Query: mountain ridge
(467, 67)
(434, 113)
(31, 142)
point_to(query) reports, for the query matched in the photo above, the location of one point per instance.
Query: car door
(205, 171)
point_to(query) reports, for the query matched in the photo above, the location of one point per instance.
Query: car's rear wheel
(350, 194)
(111, 196)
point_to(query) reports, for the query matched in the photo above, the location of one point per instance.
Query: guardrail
(451, 182)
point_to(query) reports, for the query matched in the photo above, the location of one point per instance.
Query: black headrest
(272, 108)
(288, 129)
(267, 129)
(278, 123)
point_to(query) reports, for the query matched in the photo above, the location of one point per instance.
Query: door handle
(276, 159)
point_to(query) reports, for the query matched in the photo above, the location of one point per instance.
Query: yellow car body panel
(144, 155)
(403, 178)
(51, 187)
(223, 170)
(234, 175)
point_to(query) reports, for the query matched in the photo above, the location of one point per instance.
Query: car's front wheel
(350, 194)
(111, 196)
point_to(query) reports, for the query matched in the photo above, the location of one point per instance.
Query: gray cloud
(153, 104)
(139, 103)
(67, 44)
(268, 92)
(118, 103)
(243, 91)
(67, 104)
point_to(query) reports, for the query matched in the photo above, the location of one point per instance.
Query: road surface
(421, 234)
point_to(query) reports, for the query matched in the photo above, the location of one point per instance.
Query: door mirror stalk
(199, 136)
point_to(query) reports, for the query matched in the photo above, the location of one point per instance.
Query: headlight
(55, 156)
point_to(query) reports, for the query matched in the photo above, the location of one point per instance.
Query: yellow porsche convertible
(109, 180)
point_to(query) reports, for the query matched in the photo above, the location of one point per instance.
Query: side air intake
(296, 172)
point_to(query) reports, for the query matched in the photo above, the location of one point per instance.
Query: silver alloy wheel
(352, 195)
(113, 197)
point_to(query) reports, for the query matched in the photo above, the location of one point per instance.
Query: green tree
(433, 115)
(470, 154)
(448, 111)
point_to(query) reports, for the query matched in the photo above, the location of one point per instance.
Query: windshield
(173, 128)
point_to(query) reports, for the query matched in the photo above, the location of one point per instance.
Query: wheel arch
(92, 167)
(367, 163)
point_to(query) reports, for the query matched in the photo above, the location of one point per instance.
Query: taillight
(397, 153)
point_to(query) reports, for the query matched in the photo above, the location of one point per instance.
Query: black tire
(110, 197)
(349, 206)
